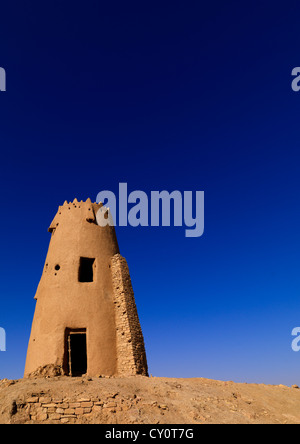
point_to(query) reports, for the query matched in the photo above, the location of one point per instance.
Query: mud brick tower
(85, 318)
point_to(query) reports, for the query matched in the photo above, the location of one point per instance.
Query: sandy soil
(141, 400)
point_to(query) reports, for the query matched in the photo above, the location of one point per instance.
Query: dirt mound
(49, 371)
(142, 400)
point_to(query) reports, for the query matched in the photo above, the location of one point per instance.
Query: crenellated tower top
(80, 210)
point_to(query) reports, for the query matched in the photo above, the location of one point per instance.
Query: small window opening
(57, 267)
(86, 269)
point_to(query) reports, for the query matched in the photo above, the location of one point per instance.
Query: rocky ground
(141, 400)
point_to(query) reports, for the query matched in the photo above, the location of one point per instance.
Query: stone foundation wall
(130, 342)
(66, 410)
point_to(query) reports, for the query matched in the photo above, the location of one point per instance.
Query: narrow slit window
(86, 269)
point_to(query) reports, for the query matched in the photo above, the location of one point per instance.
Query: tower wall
(64, 303)
(129, 337)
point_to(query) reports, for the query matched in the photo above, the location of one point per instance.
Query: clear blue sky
(161, 95)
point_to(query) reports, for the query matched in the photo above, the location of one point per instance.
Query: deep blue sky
(162, 95)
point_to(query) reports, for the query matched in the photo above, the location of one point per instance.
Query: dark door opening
(77, 354)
